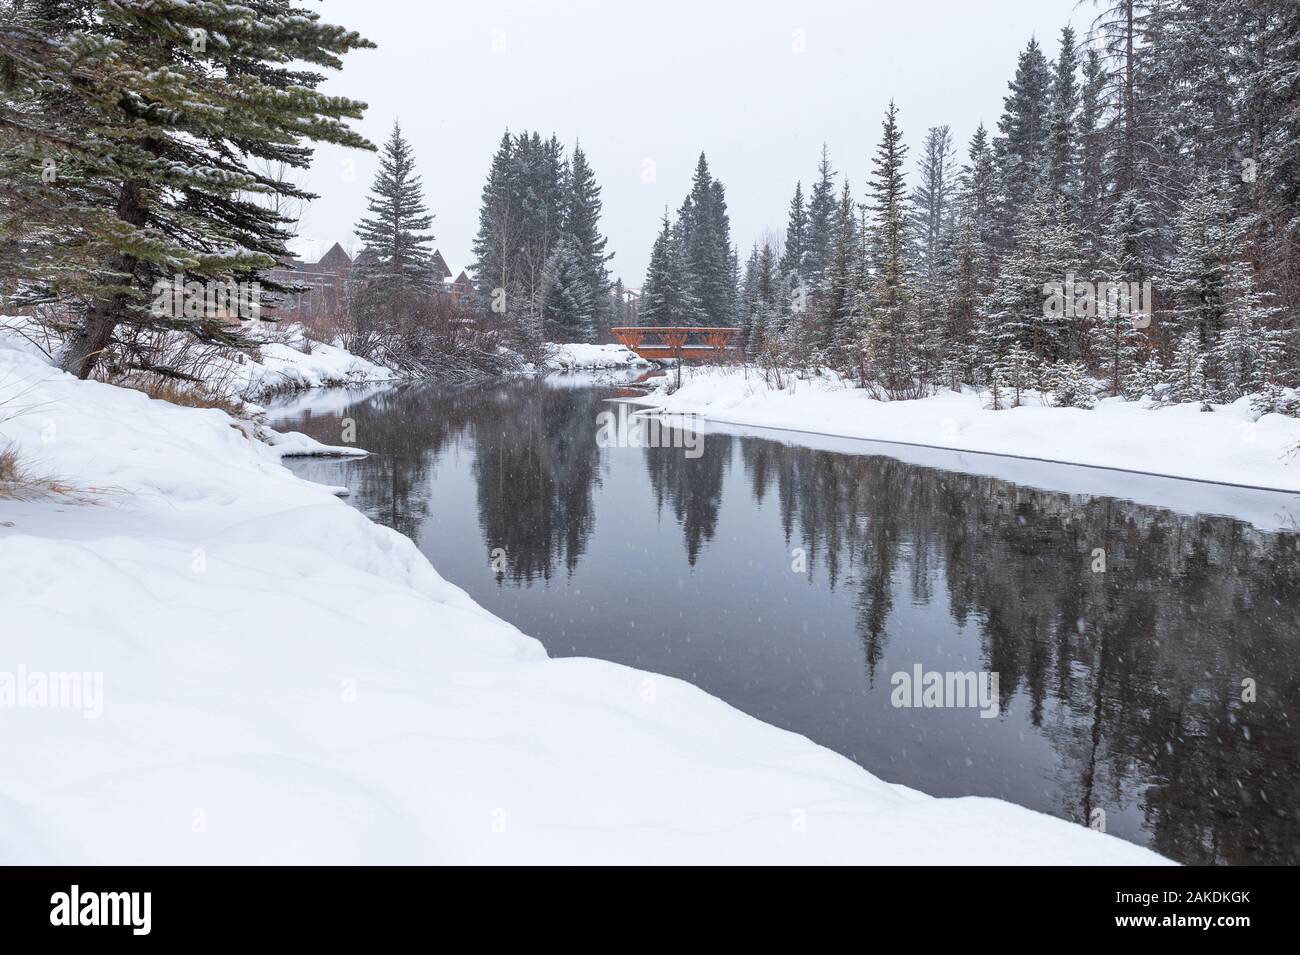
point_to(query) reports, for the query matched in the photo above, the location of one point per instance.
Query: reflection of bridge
(687, 342)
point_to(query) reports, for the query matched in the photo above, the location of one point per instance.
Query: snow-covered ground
(292, 362)
(1227, 445)
(581, 357)
(270, 677)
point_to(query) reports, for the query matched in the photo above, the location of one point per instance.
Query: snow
(582, 357)
(1227, 445)
(285, 681)
(286, 366)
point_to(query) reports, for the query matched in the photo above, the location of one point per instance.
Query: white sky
(661, 81)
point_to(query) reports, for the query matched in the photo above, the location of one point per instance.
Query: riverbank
(1229, 445)
(282, 680)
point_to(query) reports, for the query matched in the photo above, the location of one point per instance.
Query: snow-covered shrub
(1186, 376)
(1071, 387)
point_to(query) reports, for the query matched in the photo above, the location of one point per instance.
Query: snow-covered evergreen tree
(704, 233)
(820, 233)
(667, 295)
(1186, 373)
(1128, 260)
(582, 226)
(395, 237)
(153, 118)
(1071, 387)
(892, 330)
(1063, 146)
(1022, 149)
(1022, 308)
(841, 315)
(568, 310)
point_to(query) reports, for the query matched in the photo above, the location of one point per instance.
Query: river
(1156, 696)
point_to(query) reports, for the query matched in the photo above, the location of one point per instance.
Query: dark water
(1120, 691)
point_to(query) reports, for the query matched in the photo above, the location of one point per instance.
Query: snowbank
(1181, 441)
(287, 366)
(283, 681)
(290, 361)
(580, 357)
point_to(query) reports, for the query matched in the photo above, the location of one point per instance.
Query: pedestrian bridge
(684, 342)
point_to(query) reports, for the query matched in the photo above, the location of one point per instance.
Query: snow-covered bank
(1227, 445)
(284, 681)
(290, 361)
(580, 357)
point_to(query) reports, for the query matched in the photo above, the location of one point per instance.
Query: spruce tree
(841, 321)
(821, 224)
(1093, 153)
(1128, 259)
(892, 329)
(582, 224)
(1063, 147)
(157, 115)
(1207, 270)
(395, 237)
(1023, 148)
(1023, 308)
(1185, 376)
(1070, 386)
(667, 295)
(704, 232)
(568, 309)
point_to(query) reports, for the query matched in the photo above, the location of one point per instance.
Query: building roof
(439, 265)
(335, 258)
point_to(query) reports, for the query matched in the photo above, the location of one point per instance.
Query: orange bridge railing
(686, 342)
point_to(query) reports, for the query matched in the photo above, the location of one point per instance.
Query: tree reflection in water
(1133, 676)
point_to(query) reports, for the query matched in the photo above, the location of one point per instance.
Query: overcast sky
(756, 85)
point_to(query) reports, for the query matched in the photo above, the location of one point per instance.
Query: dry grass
(186, 395)
(17, 483)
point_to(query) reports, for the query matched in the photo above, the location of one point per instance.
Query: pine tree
(667, 297)
(841, 316)
(1063, 146)
(933, 218)
(974, 265)
(568, 308)
(1070, 386)
(792, 257)
(1207, 270)
(1022, 308)
(892, 330)
(1022, 150)
(582, 224)
(1128, 260)
(528, 201)
(499, 222)
(152, 117)
(1093, 157)
(822, 205)
(1248, 354)
(395, 237)
(1150, 380)
(1015, 370)
(704, 232)
(1186, 374)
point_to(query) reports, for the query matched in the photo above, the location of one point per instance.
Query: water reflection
(792, 582)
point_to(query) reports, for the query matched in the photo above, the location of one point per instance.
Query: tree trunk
(102, 318)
